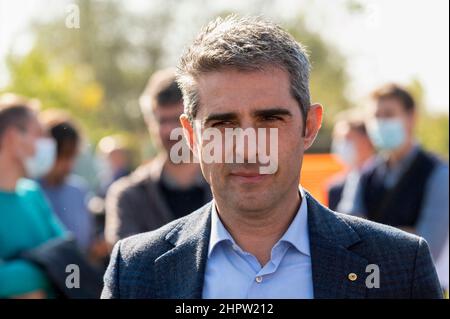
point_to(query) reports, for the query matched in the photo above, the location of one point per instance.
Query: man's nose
(246, 143)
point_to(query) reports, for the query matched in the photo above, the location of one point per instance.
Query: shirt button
(235, 247)
(258, 279)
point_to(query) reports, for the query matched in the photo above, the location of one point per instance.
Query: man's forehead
(167, 110)
(34, 123)
(341, 128)
(245, 110)
(388, 105)
(243, 92)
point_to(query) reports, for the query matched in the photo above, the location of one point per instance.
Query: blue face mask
(43, 159)
(345, 150)
(387, 134)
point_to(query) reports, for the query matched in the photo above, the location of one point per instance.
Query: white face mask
(387, 134)
(345, 150)
(43, 159)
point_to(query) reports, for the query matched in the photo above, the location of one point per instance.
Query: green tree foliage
(66, 86)
(432, 129)
(329, 79)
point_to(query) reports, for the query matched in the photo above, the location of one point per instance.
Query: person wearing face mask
(352, 146)
(115, 157)
(406, 187)
(67, 193)
(26, 219)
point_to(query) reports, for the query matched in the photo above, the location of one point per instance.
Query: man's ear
(313, 124)
(9, 137)
(188, 131)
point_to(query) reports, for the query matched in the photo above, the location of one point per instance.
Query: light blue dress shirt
(233, 273)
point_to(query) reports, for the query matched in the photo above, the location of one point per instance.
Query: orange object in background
(317, 171)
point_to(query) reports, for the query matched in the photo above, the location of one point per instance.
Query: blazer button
(352, 276)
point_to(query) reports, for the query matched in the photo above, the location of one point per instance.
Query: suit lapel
(333, 264)
(180, 271)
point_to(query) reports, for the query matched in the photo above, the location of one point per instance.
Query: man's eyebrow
(219, 117)
(272, 112)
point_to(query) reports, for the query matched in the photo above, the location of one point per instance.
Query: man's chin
(252, 206)
(252, 198)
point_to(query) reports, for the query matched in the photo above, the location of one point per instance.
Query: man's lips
(248, 177)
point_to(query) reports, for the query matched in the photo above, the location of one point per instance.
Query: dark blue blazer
(170, 262)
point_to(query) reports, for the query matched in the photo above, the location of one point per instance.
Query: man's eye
(222, 124)
(272, 118)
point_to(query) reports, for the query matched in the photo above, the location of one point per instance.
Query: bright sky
(394, 40)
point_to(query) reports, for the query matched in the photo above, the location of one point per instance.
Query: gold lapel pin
(352, 276)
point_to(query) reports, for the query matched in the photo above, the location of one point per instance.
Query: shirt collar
(297, 233)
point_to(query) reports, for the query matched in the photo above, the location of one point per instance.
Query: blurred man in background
(354, 148)
(67, 193)
(114, 162)
(115, 157)
(160, 191)
(26, 219)
(406, 187)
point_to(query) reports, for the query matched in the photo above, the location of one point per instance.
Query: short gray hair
(249, 43)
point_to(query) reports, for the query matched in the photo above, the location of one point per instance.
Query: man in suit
(262, 236)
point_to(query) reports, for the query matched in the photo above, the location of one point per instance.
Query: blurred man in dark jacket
(160, 191)
(406, 187)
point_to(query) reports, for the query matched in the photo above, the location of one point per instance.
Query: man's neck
(184, 175)
(257, 233)
(53, 180)
(11, 173)
(396, 156)
(363, 158)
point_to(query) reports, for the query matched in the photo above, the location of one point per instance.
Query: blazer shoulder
(404, 259)
(379, 234)
(131, 182)
(154, 243)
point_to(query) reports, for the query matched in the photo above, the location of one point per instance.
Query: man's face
(391, 125)
(350, 144)
(64, 163)
(391, 108)
(253, 99)
(20, 142)
(166, 119)
(25, 140)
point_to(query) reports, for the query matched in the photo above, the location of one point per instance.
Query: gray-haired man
(262, 236)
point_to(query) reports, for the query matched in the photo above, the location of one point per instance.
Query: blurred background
(98, 70)
(92, 59)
